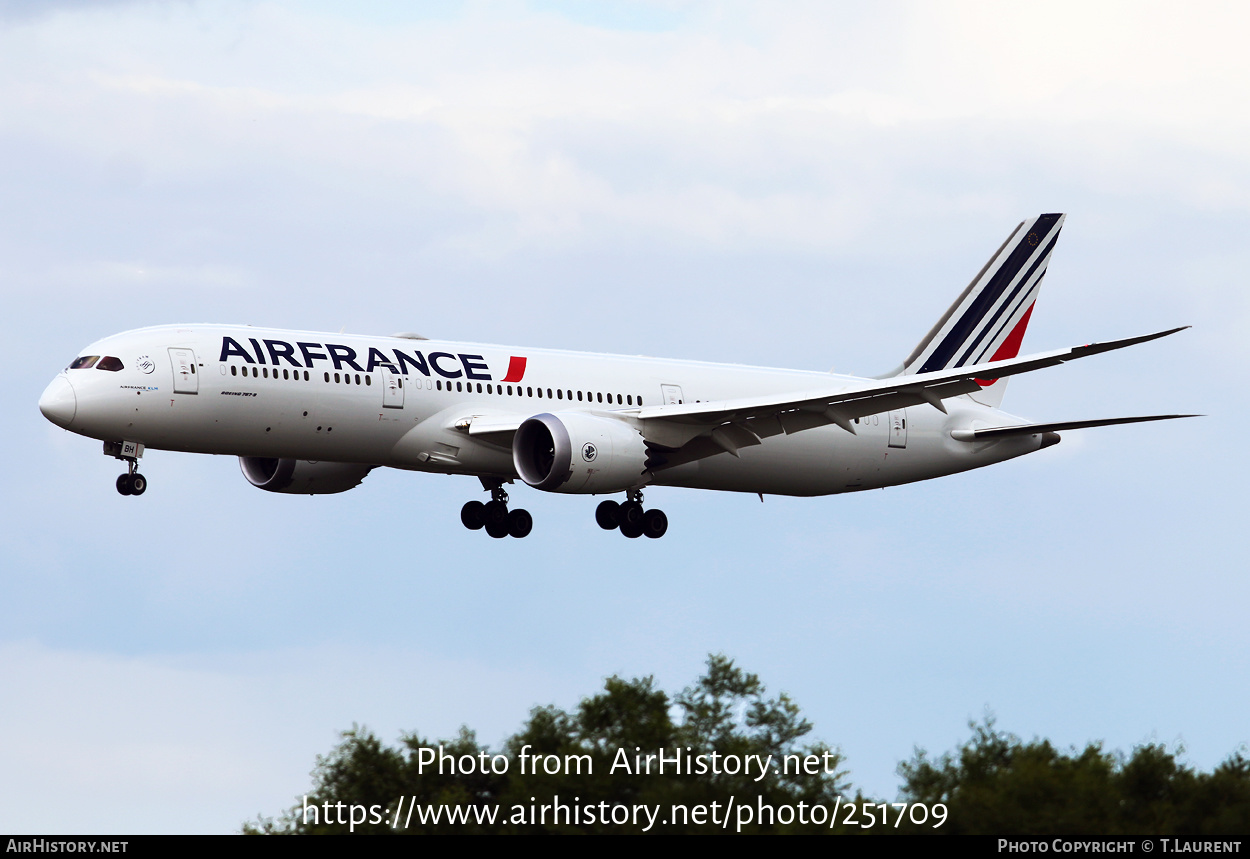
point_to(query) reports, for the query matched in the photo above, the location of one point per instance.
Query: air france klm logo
(306, 355)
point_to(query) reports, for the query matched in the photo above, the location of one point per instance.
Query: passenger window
(234, 371)
(579, 396)
(369, 381)
(479, 387)
(618, 400)
(84, 363)
(600, 395)
(629, 400)
(457, 386)
(327, 377)
(549, 393)
(540, 393)
(559, 394)
(305, 375)
(336, 378)
(357, 378)
(509, 390)
(640, 401)
(255, 372)
(529, 392)
(109, 363)
(266, 372)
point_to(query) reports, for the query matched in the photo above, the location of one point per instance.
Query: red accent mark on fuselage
(516, 369)
(1011, 346)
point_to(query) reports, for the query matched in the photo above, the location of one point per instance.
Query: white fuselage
(388, 401)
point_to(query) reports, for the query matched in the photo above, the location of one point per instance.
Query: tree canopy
(996, 784)
(601, 748)
(723, 745)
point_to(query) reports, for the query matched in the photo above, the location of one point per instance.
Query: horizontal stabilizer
(1035, 429)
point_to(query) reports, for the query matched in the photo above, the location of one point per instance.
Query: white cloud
(567, 129)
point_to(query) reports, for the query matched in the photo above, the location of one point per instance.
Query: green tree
(995, 784)
(601, 748)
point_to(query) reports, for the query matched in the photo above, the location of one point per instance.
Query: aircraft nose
(58, 402)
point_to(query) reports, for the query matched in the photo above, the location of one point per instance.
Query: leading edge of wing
(847, 402)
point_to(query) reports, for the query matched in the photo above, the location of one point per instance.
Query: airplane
(314, 413)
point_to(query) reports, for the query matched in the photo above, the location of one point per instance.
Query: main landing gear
(132, 482)
(630, 518)
(495, 517)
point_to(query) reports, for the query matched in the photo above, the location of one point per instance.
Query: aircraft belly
(829, 460)
(798, 464)
(433, 444)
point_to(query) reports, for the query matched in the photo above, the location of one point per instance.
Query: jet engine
(299, 477)
(579, 453)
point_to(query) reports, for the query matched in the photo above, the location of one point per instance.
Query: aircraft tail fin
(988, 320)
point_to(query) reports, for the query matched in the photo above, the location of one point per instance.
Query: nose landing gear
(495, 517)
(132, 482)
(631, 519)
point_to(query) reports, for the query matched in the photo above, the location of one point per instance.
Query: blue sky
(808, 189)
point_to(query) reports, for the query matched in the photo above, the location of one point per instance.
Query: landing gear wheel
(138, 484)
(654, 524)
(472, 515)
(607, 515)
(520, 523)
(495, 516)
(630, 513)
(631, 530)
(123, 484)
(495, 513)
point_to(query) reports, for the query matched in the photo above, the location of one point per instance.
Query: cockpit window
(108, 362)
(84, 362)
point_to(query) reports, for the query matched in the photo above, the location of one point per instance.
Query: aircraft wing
(733, 424)
(495, 429)
(743, 422)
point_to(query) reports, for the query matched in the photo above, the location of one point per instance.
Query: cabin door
(185, 379)
(898, 428)
(392, 390)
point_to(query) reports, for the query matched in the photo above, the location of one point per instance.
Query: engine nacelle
(578, 452)
(300, 477)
